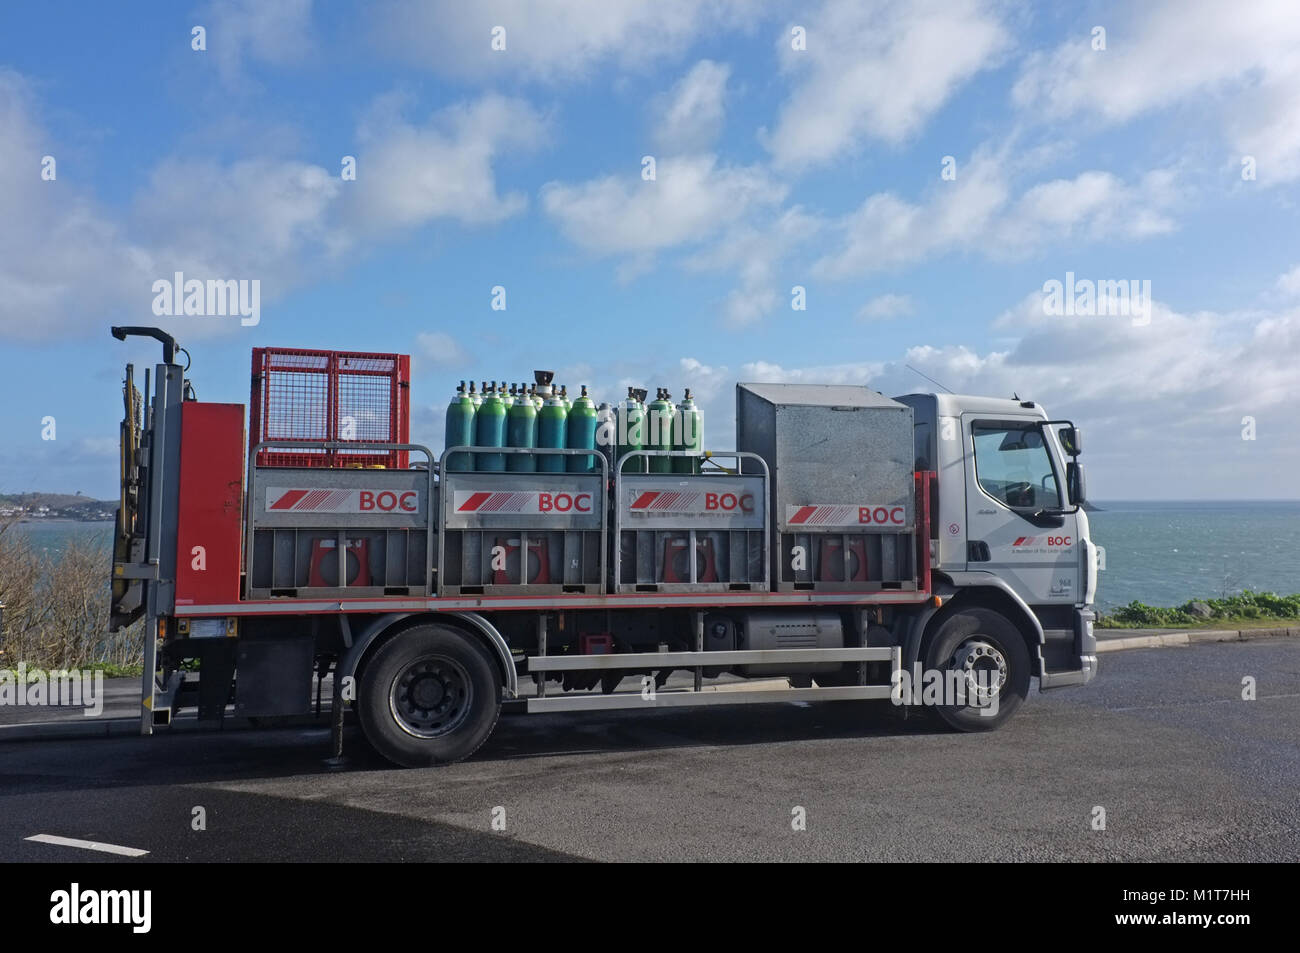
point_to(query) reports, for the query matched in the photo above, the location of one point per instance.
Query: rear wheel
(429, 695)
(985, 656)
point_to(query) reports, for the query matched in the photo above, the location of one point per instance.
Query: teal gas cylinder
(460, 430)
(580, 428)
(490, 431)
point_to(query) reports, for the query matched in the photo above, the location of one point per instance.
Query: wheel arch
(986, 593)
(384, 627)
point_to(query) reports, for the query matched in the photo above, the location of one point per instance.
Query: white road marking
(86, 845)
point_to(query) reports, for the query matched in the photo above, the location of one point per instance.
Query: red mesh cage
(301, 395)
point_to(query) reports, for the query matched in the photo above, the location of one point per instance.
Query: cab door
(1014, 497)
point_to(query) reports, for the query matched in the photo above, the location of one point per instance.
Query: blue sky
(775, 167)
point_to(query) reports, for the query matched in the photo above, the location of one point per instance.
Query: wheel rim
(431, 696)
(977, 659)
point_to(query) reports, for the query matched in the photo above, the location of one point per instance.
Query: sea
(1162, 554)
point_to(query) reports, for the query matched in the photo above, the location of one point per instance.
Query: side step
(711, 696)
(639, 660)
(687, 699)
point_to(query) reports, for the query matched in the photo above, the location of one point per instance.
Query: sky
(670, 193)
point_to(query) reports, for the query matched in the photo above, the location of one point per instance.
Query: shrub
(56, 608)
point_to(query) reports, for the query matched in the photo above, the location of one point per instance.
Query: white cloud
(1238, 64)
(692, 198)
(278, 32)
(976, 212)
(755, 252)
(65, 262)
(1289, 282)
(408, 174)
(248, 219)
(878, 69)
(61, 257)
(556, 41)
(690, 117)
(886, 306)
(440, 349)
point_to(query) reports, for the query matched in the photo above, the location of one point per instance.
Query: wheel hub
(431, 697)
(983, 667)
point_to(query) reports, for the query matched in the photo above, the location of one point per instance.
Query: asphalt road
(1185, 769)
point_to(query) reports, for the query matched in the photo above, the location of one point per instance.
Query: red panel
(926, 484)
(211, 493)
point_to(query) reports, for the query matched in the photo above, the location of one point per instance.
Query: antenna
(930, 379)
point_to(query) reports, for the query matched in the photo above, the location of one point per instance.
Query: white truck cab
(1010, 522)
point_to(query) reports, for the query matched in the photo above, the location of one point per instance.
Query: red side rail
(325, 396)
(925, 481)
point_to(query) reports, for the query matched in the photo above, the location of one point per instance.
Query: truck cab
(1010, 525)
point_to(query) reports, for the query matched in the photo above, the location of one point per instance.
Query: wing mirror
(1076, 482)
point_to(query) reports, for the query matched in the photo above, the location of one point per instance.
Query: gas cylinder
(551, 420)
(538, 400)
(460, 430)
(631, 429)
(564, 398)
(475, 397)
(507, 397)
(490, 431)
(688, 434)
(659, 431)
(521, 431)
(580, 428)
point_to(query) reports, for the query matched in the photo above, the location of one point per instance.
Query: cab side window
(1012, 465)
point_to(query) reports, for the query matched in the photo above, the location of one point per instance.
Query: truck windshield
(1013, 466)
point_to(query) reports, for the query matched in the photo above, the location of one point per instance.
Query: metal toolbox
(843, 503)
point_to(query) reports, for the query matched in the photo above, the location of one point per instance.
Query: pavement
(1184, 768)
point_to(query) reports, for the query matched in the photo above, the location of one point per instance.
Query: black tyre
(989, 656)
(429, 695)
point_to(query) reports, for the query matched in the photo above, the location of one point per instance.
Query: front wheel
(983, 656)
(429, 695)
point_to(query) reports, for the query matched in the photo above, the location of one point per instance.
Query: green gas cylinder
(507, 397)
(580, 428)
(631, 429)
(490, 431)
(551, 424)
(659, 431)
(475, 397)
(521, 431)
(460, 430)
(564, 398)
(688, 434)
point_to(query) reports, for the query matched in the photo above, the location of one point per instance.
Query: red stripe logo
(473, 503)
(286, 502)
(803, 514)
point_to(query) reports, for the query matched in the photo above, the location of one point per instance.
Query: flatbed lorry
(849, 547)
